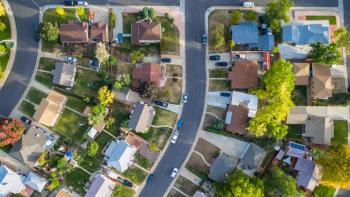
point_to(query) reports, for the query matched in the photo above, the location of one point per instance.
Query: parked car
(26, 120)
(70, 3)
(248, 4)
(166, 60)
(150, 178)
(221, 64)
(240, 56)
(95, 64)
(185, 97)
(214, 57)
(70, 59)
(269, 31)
(160, 103)
(180, 123)
(204, 39)
(82, 3)
(174, 172)
(225, 94)
(127, 183)
(174, 138)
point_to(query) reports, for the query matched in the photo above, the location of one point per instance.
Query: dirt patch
(220, 112)
(196, 162)
(209, 120)
(174, 193)
(172, 91)
(207, 149)
(173, 70)
(339, 85)
(186, 185)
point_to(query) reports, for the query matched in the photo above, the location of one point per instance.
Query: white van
(248, 4)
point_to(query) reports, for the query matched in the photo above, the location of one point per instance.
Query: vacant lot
(186, 185)
(170, 43)
(173, 70)
(208, 150)
(120, 112)
(219, 85)
(172, 91)
(340, 132)
(219, 16)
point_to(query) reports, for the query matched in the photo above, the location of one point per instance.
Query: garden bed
(219, 16)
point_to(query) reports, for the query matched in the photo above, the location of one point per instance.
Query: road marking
(36, 4)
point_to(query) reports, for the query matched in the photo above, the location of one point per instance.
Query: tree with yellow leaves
(60, 10)
(2, 9)
(105, 96)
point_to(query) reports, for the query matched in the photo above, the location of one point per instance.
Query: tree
(101, 53)
(2, 26)
(54, 182)
(153, 147)
(145, 12)
(3, 50)
(343, 38)
(148, 90)
(336, 166)
(49, 31)
(42, 158)
(80, 11)
(136, 56)
(105, 96)
(218, 36)
(152, 13)
(236, 16)
(276, 11)
(327, 54)
(277, 183)
(232, 44)
(240, 185)
(97, 114)
(2, 9)
(339, 32)
(60, 11)
(62, 163)
(249, 15)
(112, 60)
(11, 131)
(92, 148)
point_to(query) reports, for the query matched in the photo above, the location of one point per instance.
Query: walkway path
(212, 114)
(9, 40)
(40, 86)
(183, 193)
(78, 166)
(171, 107)
(202, 157)
(162, 126)
(191, 177)
(50, 55)
(142, 168)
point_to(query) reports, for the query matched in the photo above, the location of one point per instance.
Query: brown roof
(147, 73)
(302, 73)
(237, 119)
(244, 75)
(63, 193)
(99, 32)
(74, 32)
(145, 32)
(134, 140)
(321, 82)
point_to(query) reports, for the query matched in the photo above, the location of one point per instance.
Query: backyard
(77, 179)
(120, 112)
(340, 132)
(299, 95)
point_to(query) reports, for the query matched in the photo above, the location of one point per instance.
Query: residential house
(141, 118)
(222, 167)
(10, 181)
(135, 140)
(33, 143)
(36, 182)
(247, 33)
(252, 159)
(126, 95)
(247, 100)
(301, 73)
(319, 130)
(64, 73)
(244, 75)
(145, 32)
(297, 115)
(306, 32)
(119, 155)
(147, 72)
(237, 119)
(99, 32)
(321, 81)
(96, 129)
(74, 32)
(296, 149)
(50, 108)
(64, 192)
(100, 187)
(309, 173)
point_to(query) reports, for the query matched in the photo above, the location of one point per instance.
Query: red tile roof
(145, 32)
(147, 73)
(239, 119)
(244, 75)
(74, 32)
(99, 32)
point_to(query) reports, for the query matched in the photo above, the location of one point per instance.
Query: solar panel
(298, 146)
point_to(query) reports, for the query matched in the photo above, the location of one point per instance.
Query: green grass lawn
(218, 73)
(90, 164)
(164, 117)
(294, 132)
(122, 191)
(340, 132)
(143, 161)
(6, 34)
(71, 125)
(158, 136)
(332, 19)
(27, 108)
(47, 46)
(121, 114)
(35, 95)
(51, 16)
(149, 49)
(44, 78)
(299, 95)
(74, 101)
(46, 64)
(128, 19)
(323, 191)
(87, 82)
(3, 63)
(76, 179)
(219, 85)
(102, 139)
(170, 42)
(136, 175)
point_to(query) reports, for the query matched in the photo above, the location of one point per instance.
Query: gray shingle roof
(222, 166)
(253, 156)
(64, 74)
(142, 117)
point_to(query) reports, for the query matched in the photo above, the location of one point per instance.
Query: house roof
(247, 100)
(244, 74)
(31, 145)
(310, 173)
(245, 33)
(64, 74)
(10, 181)
(266, 42)
(119, 155)
(237, 119)
(321, 81)
(99, 32)
(100, 187)
(147, 72)
(127, 95)
(36, 182)
(74, 32)
(145, 32)
(301, 73)
(295, 149)
(252, 157)
(134, 140)
(222, 166)
(141, 117)
(63, 193)
(319, 129)
(297, 115)
(306, 32)
(50, 108)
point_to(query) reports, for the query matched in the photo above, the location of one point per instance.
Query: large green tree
(49, 31)
(327, 54)
(92, 148)
(277, 10)
(343, 38)
(236, 16)
(240, 185)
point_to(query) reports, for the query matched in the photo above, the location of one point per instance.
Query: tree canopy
(49, 31)
(236, 16)
(276, 11)
(275, 94)
(343, 38)
(92, 148)
(11, 130)
(218, 36)
(2, 9)
(101, 53)
(327, 54)
(136, 56)
(2, 26)
(60, 10)
(249, 15)
(3, 50)
(105, 96)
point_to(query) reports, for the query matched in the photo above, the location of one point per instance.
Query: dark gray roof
(222, 166)
(245, 33)
(64, 74)
(253, 156)
(301, 33)
(141, 117)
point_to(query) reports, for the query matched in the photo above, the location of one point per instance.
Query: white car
(174, 138)
(82, 3)
(185, 97)
(248, 4)
(70, 59)
(174, 172)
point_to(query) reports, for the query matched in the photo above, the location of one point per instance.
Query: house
(74, 32)
(64, 192)
(100, 187)
(64, 73)
(247, 33)
(247, 100)
(147, 72)
(301, 73)
(50, 108)
(145, 32)
(96, 129)
(252, 159)
(295, 149)
(321, 81)
(135, 140)
(10, 181)
(99, 32)
(126, 95)
(32, 145)
(119, 155)
(297, 115)
(35, 182)
(141, 117)
(306, 32)
(237, 119)
(320, 130)
(309, 173)
(244, 75)
(222, 167)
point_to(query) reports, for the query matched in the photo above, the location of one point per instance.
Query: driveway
(214, 99)
(224, 57)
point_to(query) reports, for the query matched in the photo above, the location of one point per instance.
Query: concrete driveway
(224, 57)
(214, 99)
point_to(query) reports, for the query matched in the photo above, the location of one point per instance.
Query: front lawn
(46, 64)
(77, 179)
(164, 117)
(35, 95)
(122, 191)
(332, 19)
(219, 85)
(340, 132)
(299, 95)
(323, 191)
(27, 108)
(128, 19)
(157, 136)
(171, 92)
(44, 78)
(170, 42)
(218, 73)
(143, 161)
(51, 16)
(135, 174)
(219, 16)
